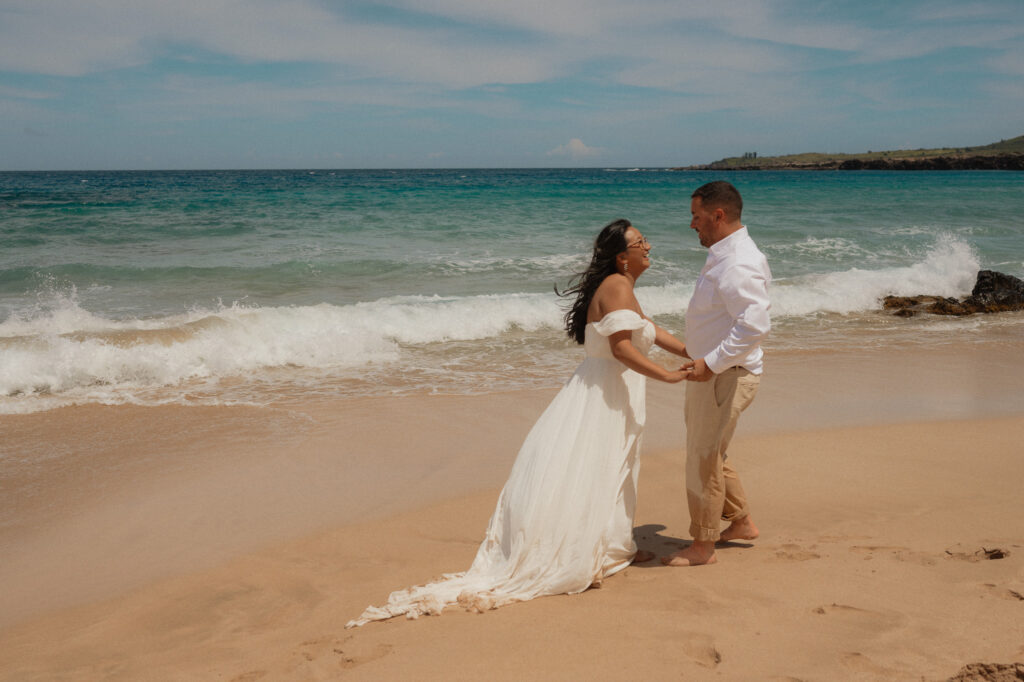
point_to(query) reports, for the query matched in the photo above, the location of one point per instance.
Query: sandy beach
(187, 543)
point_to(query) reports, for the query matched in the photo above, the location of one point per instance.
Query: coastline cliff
(1003, 155)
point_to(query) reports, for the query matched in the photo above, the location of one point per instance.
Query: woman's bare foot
(641, 556)
(697, 554)
(741, 529)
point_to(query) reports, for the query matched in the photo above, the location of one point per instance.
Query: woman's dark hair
(609, 244)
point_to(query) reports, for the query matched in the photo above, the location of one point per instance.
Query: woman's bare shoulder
(613, 293)
(614, 283)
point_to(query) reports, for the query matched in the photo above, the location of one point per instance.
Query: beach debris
(989, 672)
(994, 292)
(995, 553)
(981, 554)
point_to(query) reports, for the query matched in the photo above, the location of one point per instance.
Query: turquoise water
(262, 286)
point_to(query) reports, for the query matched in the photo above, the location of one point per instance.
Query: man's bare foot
(641, 556)
(697, 554)
(741, 529)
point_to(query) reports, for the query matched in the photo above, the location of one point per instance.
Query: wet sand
(234, 543)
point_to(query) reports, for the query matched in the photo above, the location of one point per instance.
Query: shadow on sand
(649, 537)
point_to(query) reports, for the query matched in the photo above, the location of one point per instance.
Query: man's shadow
(649, 537)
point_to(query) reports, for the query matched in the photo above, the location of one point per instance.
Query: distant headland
(1002, 155)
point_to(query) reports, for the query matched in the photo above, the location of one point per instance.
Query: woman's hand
(700, 371)
(681, 374)
(675, 376)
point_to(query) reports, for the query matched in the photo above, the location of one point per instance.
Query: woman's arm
(666, 341)
(615, 293)
(626, 353)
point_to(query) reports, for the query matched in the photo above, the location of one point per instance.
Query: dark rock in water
(908, 306)
(993, 292)
(998, 291)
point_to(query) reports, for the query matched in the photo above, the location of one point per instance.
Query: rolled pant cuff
(705, 534)
(736, 516)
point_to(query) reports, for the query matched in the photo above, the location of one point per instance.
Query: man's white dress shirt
(728, 314)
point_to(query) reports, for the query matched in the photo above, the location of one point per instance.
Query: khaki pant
(713, 489)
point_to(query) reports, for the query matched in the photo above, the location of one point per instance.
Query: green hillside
(816, 160)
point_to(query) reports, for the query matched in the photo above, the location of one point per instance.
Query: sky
(197, 84)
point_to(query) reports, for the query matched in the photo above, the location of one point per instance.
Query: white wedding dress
(564, 519)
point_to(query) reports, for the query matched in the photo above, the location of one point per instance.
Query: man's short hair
(721, 194)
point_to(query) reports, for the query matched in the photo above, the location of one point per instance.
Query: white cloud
(667, 71)
(960, 11)
(189, 98)
(72, 39)
(651, 43)
(575, 149)
(592, 20)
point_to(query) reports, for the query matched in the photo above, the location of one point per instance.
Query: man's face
(705, 221)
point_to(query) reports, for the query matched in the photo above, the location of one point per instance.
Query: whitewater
(411, 282)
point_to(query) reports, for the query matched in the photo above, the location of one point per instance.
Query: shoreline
(247, 533)
(204, 484)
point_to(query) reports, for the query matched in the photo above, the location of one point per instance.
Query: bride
(564, 520)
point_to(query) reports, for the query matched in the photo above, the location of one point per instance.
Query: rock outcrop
(990, 672)
(1013, 162)
(1000, 162)
(993, 292)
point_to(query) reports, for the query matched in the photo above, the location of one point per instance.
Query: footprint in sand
(791, 552)
(860, 620)
(856, 661)
(842, 539)
(353, 656)
(251, 676)
(701, 648)
(1014, 593)
(313, 649)
(331, 651)
(847, 623)
(896, 553)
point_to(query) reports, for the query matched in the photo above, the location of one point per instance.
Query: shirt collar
(727, 244)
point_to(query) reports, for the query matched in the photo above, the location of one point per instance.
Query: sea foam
(949, 268)
(58, 351)
(67, 349)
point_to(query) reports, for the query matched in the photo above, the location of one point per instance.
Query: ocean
(274, 287)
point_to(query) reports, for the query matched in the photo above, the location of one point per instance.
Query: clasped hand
(698, 370)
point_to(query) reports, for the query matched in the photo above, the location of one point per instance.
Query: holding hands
(677, 375)
(695, 370)
(699, 371)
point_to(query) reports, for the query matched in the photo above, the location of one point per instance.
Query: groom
(725, 323)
